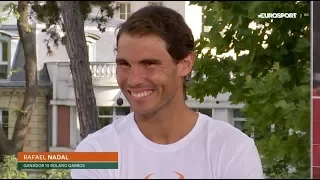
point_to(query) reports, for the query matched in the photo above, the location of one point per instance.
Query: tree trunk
(79, 64)
(27, 38)
(15, 145)
(4, 143)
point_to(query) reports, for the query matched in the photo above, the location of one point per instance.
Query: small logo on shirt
(181, 176)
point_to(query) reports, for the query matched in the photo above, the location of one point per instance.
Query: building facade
(56, 110)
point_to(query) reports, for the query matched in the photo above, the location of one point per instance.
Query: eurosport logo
(277, 15)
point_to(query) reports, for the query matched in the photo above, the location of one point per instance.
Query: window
(238, 119)
(206, 111)
(155, 3)
(109, 114)
(238, 114)
(239, 124)
(4, 52)
(4, 117)
(90, 51)
(91, 45)
(4, 58)
(105, 115)
(125, 10)
(122, 111)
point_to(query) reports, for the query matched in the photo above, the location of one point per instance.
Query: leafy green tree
(271, 75)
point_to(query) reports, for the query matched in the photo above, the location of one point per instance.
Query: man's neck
(168, 125)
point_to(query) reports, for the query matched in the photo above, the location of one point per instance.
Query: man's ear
(185, 65)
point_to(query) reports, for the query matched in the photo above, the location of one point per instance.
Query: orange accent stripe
(181, 176)
(147, 177)
(67, 156)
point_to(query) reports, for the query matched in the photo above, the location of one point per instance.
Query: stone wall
(11, 99)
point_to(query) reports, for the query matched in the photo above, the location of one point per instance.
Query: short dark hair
(164, 22)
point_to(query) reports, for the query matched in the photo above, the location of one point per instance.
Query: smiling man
(163, 137)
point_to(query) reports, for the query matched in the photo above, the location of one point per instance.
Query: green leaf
(14, 71)
(273, 83)
(281, 104)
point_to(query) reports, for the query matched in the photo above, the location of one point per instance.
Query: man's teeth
(141, 94)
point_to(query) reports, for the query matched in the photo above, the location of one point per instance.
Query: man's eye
(123, 64)
(148, 63)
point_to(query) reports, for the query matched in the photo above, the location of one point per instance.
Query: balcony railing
(103, 70)
(103, 73)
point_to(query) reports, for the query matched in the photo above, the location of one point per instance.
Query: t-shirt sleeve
(86, 173)
(245, 163)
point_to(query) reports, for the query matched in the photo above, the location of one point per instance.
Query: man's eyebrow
(154, 61)
(119, 60)
(142, 61)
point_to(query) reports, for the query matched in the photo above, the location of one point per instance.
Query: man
(163, 138)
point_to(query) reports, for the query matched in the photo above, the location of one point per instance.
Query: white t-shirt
(212, 150)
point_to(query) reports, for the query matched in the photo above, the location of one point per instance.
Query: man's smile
(141, 94)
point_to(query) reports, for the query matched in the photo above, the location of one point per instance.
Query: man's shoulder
(235, 151)
(224, 132)
(233, 147)
(107, 138)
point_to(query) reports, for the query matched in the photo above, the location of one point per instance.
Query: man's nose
(136, 76)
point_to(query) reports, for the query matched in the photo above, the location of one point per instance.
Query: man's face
(146, 73)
